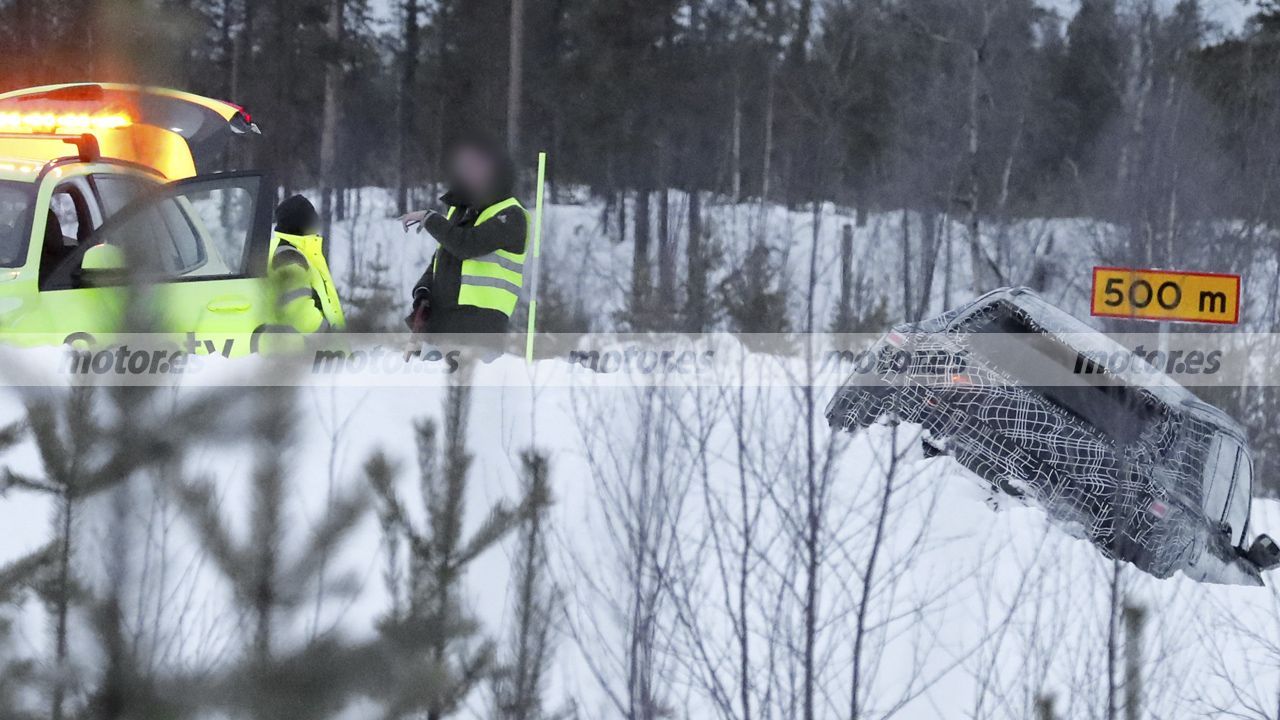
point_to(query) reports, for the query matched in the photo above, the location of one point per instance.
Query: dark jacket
(460, 240)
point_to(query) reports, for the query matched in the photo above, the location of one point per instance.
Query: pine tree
(436, 652)
(17, 673)
(1088, 82)
(518, 686)
(88, 441)
(750, 297)
(124, 688)
(373, 304)
(703, 256)
(272, 679)
(14, 675)
(558, 312)
(406, 110)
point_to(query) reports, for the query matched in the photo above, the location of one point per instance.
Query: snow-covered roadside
(985, 596)
(985, 609)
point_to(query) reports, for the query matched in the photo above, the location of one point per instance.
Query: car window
(1228, 484)
(15, 222)
(117, 191)
(64, 206)
(222, 215)
(181, 249)
(1241, 498)
(160, 237)
(193, 230)
(70, 204)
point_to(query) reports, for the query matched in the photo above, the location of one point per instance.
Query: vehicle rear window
(1106, 402)
(15, 222)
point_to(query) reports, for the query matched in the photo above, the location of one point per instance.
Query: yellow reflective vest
(493, 281)
(303, 281)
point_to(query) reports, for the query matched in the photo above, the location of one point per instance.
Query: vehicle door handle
(229, 305)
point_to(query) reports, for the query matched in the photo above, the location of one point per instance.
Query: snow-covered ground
(971, 613)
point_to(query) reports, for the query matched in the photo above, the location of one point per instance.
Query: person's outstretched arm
(504, 231)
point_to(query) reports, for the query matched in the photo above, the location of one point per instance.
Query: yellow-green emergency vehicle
(106, 190)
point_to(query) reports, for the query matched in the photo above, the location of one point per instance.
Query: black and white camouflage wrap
(1139, 498)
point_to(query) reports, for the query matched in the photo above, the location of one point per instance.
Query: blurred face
(473, 169)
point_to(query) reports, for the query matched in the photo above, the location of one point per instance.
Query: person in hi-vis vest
(476, 277)
(306, 298)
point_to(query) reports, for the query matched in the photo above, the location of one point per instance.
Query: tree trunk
(868, 578)
(23, 38)
(1134, 620)
(241, 57)
(1113, 641)
(515, 80)
(977, 257)
(813, 553)
(766, 167)
(405, 116)
(735, 147)
(666, 255)
(695, 308)
(948, 259)
(622, 216)
(844, 313)
(330, 120)
(62, 606)
(906, 264)
(1044, 708)
(929, 247)
(809, 309)
(640, 259)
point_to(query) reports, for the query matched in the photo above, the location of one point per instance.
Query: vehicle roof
(25, 170)
(171, 131)
(161, 150)
(1085, 338)
(63, 92)
(19, 169)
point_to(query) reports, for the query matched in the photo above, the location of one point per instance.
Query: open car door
(177, 133)
(195, 253)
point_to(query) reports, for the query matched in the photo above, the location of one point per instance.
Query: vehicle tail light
(243, 113)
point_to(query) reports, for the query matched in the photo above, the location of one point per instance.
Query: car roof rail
(86, 147)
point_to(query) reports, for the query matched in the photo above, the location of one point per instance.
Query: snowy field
(965, 612)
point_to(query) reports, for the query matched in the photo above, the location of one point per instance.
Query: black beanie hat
(297, 216)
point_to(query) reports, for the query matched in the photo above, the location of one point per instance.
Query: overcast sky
(1230, 14)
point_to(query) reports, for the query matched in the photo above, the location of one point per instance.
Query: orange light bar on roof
(70, 122)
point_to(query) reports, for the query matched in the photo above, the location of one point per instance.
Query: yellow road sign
(1166, 295)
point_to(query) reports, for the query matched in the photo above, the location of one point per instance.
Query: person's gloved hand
(417, 319)
(421, 296)
(416, 218)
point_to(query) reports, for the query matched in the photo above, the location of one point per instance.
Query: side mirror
(102, 265)
(1264, 553)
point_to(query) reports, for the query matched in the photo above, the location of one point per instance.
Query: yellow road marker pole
(537, 253)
